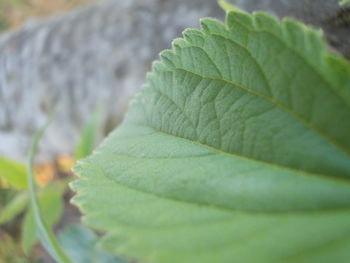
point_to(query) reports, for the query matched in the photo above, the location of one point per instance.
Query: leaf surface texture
(237, 149)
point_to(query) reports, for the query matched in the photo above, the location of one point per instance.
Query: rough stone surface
(101, 53)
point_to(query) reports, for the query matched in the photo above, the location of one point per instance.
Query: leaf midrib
(223, 208)
(343, 180)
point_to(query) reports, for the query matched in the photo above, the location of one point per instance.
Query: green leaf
(51, 204)
(89, 136)
(81, 244)
(227, 6)
(14, 207)
(237, 149)
(13, 172)
(343, 2)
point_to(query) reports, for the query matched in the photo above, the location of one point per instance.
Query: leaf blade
(237, 142)
(14, 207)
(89, 134)
(13, 172)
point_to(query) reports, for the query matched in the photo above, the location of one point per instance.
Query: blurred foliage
(18, 230)
(343, 2)
(81, 245)
(18, 234)
(3, 23)
(51, 203)
(14, 173)
(14, 12)
(65, 163)
(226, 6)
(90, 135)
(10, 252)
(14, 207)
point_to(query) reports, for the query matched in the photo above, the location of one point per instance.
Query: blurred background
(15, 12)
(86, 59)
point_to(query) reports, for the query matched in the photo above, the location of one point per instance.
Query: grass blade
(46, 235)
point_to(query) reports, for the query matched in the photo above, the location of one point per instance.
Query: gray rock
(97, 54)
(100, 54)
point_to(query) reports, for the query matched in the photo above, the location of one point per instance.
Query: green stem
(46, 235)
